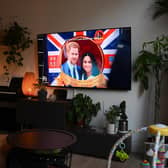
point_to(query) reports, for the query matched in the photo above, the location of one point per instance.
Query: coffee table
(40, 148)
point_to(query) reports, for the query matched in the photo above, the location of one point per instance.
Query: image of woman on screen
(88, 66)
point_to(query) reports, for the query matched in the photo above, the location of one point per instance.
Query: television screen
(99, 58)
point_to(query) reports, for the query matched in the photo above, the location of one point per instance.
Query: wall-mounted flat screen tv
(99, 58)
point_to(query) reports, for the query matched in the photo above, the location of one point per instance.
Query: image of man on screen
(70, 67)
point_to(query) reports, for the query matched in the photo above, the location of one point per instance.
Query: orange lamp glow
(27, 84)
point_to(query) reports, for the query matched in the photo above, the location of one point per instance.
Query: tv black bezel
(45, 60)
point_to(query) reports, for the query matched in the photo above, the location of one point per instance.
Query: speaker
(41, 55)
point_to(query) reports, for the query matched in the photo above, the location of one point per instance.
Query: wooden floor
(78, 161)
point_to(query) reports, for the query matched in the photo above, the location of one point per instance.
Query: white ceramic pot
(111, 128)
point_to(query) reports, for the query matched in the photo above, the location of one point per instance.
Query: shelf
(97, 144)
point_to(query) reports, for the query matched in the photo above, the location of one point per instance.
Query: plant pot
(111, 128)
(80, 123)
(42, 95)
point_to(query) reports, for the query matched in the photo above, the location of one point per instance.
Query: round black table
(41, 139)
(40, 144)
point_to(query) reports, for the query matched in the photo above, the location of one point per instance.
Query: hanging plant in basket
(17, 39)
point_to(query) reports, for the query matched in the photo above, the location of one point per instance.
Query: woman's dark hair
(95, 70)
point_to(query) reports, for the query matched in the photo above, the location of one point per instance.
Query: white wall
(62, 15)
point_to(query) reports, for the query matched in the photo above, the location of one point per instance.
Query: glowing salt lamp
(28, 84)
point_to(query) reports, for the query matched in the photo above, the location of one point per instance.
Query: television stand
(52, 115)
(96, 143)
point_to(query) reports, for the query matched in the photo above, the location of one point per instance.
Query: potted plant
(152, 60)
(17, 39)
(111, 116)
(83, 109)
(42, 90)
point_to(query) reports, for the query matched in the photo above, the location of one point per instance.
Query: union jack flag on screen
(105, 39)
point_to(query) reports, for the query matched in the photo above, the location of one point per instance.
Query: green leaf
(83, 108)
(17, 38)
(151, 59)
(160, 8)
